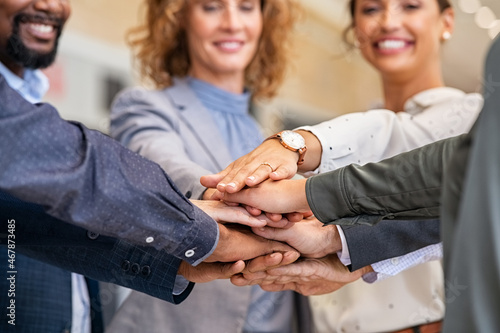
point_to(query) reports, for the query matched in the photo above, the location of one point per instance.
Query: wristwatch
(292, 141)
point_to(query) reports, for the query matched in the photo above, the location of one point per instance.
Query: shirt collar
(32, 87)
(426, 98)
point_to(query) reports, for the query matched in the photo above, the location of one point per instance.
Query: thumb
(211, 181)
(215, 271)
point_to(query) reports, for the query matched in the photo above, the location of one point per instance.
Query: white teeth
(230, 45)
(391, 44)
(43, 28)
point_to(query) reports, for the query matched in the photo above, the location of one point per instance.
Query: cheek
(254, 26)
(365, 30)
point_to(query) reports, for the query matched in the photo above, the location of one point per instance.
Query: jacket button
(135, 268)
(145, 271)
(188, 194)
(92, 235)
(125, 265)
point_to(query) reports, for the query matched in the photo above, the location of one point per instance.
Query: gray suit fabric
(457, 179)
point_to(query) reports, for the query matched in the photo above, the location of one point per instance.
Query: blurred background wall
(324, 80)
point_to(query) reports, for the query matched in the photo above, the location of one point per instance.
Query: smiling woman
(208, 59)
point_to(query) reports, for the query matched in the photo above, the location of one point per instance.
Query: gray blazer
(173, 128)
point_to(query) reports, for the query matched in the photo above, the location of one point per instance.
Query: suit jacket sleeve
(148, 123)
(75, 249)
(405, 186)
(85, 178)
(369, 245)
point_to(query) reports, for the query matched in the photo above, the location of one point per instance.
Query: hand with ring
(269, 165)
(269, 160)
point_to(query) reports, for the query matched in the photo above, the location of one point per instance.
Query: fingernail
(221, 185)
(233, 185)
(262, 229)
(251, 178)
(274, 255)
(275, 173)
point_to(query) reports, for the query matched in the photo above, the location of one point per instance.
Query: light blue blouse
(230, 112)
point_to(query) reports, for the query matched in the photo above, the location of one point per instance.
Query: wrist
(334, 241)
(300, 198)
(292, 141)
(183, 269)
(314, 151)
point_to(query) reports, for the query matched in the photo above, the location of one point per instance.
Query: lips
(392, 45)
(41, 27)
(229, 46)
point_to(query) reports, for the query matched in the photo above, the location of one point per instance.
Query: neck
(232, 82)
(12, 66)
(398, 89)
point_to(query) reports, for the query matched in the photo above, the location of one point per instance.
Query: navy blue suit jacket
(87, 179)
(80, 176)
(368, 245)
(71, 248)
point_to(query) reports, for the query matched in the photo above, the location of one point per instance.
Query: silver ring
(269, 165)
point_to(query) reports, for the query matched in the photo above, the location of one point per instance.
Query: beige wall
(106, 20)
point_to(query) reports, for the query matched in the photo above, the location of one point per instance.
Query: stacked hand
(319, 271)
(236, 244)
(306, 276)
(267, 254)
(260, 182)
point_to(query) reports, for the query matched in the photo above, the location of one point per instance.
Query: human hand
(224, 213)
(206, 272)
(234, 213)
(284, 196)
(307, 276)
(269, 159)
(238, 242)
(310, 237)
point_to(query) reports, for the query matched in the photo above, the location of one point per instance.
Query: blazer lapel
(199, 120)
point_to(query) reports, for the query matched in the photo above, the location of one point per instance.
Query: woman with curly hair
(207, 60)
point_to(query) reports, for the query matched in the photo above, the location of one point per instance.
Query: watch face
(294, 140)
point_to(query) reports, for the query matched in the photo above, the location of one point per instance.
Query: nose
(391, 18)
(51, 6)
(232, 18)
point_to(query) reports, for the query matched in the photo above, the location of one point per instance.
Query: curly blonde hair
(160, 46)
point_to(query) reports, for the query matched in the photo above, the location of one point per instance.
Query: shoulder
(464, 102)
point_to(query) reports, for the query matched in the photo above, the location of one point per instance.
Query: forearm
(83, 177)
(407, 185)
(45, 238)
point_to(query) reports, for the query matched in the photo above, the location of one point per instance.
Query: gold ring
(269, 165)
